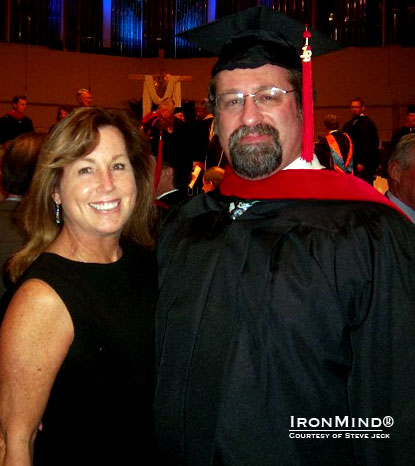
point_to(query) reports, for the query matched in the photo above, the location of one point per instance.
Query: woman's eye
(84, 170)
(119, 166)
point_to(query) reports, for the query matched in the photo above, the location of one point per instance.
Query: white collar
(300, 163)
(404, 207)
(14, 197)
(165, 194)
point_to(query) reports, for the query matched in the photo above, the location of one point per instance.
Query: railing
(141, 27)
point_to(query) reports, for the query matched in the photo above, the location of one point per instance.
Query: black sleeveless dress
(100, 408)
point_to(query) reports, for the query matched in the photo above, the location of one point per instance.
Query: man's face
(166, 111)
(410, 120)
(259, 142)
(20, 106)
(356, 107)
(200, 111)
(85, 99)
(406, 185)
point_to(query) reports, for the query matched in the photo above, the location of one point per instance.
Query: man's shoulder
(174, 197)
(401, 131)
(329, 211)
(364, 224)
(11, 119)
(367, 121)
(312, 211)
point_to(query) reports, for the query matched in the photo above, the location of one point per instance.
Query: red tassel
(157, 172)
(308, 111)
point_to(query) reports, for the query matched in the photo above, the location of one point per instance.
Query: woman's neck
(96, 250)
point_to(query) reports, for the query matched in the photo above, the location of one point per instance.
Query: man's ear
(167, 172)
(215, 126)
(394, 171)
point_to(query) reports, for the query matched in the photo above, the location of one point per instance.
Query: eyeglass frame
(253, 95)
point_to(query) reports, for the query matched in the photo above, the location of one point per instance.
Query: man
(198, 140)
(172, 172)
(172, 187)
(84, 97)
(408, 127)
(161, 128)
(401, 179)
(212, 178)
(335, 150)
(163, 121)
(285, 323)
(15, 122)
(364, 134)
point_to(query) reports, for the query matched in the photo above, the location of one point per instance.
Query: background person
(76, 343)
(212, 178)
(364, 135)
(84, 97)
(15, 122)
(335, 149)
(18, 163)
(401, 175)
(408, 127)
(63, 112)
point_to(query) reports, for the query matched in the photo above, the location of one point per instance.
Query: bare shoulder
(36, 325)
(35, 337)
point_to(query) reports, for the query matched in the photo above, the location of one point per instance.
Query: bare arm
(34, 340)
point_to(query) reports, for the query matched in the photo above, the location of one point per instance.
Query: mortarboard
(258, 36)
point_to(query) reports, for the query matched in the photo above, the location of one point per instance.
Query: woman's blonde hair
(71, 139)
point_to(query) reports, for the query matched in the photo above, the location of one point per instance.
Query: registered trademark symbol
(388, 421)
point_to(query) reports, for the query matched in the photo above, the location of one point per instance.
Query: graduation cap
(258, 36)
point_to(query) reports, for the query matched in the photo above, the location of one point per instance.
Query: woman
(61, 114)
(76, 343)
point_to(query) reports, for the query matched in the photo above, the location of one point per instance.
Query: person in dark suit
(408, 127)
(364, 135)
(18, 164)
(15, 122)
(335, 149)
(171, 183)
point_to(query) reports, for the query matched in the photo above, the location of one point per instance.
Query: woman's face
(98, 191)
(62, 114)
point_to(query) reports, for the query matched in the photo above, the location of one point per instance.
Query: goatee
(256, 160)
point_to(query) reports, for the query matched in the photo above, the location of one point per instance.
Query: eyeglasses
(265, 99)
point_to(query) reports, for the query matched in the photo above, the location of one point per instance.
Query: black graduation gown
(297, 309)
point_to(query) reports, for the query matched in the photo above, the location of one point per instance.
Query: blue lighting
(188, 17)
(211, 10)
(127, 28)
(106, 23)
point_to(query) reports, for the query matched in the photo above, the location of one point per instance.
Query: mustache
(260, 128)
